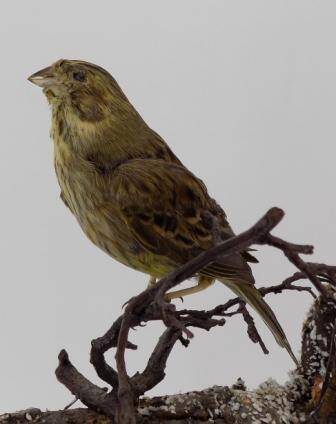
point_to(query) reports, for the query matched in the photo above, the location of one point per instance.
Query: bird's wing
(169, 212)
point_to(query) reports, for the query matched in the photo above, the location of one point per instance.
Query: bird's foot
(168, 298)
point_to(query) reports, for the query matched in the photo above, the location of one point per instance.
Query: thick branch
(319, 358)
(91, 395)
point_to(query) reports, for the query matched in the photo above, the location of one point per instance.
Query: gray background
(243, 91)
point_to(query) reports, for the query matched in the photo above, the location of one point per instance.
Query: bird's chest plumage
(91, 202)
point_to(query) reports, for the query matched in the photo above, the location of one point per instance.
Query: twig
(126, 412)
(251, 329)
(287, 284)
(101, 345)
(292, 251)
(69, 405)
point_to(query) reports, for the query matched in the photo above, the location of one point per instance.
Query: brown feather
(164, 228)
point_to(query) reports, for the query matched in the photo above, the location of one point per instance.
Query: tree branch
(122, 402)
(91, 395)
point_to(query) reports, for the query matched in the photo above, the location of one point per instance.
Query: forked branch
(121, 402)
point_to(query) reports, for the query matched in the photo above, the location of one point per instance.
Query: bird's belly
(113, 236)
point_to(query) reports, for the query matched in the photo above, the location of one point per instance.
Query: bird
(131, 195)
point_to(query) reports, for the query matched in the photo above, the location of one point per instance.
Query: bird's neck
(115, 138)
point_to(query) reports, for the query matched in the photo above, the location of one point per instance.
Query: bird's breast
(91, 202)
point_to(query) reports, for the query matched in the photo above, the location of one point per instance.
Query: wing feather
(169, 212)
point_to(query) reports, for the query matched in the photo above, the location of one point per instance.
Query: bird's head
(87, 89)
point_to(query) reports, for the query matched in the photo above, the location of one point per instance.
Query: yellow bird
(131, 195)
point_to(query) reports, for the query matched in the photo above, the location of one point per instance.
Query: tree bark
(293, 402)
(309, 396)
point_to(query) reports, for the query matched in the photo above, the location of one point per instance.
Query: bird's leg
(203, 283)
(151, 282)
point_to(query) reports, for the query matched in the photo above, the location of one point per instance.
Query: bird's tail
(253, 297)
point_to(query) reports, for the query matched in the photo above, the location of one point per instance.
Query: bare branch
(121, 403)
(251, 328)
(91, 395)
(155, 369)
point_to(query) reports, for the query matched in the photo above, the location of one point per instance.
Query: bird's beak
(43, 78)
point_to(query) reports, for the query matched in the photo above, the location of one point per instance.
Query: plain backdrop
(244, 92)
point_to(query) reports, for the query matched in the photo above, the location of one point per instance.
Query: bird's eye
(79, 76)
